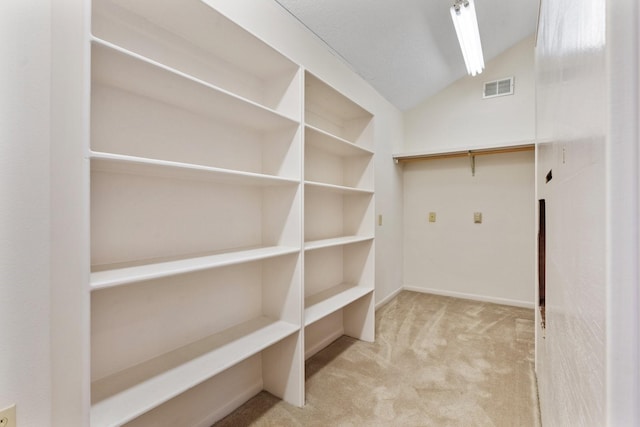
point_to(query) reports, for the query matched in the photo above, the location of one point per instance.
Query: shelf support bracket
(472, 159)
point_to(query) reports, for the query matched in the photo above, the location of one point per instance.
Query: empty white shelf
(322, 97)
(108, 162)
(121, 276)
(338, 189)
(336, 241)
(333, 299)
(333, 144)
(195, 38)
(117, 67)
(128, 394)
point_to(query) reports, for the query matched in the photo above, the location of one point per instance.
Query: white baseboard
(230, 406)
(388, 298)
(474, 297)
(323, 343)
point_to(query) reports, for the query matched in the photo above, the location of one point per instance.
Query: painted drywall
(445, 258)
(25, 369)
(267, 20)
(458, 116)
(491, 261)
(623, 213)
(587, 357)
(572, 113)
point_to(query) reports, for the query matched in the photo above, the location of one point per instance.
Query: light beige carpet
(437, 361)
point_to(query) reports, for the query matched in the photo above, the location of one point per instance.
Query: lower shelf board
(122, 397)
(331, 300)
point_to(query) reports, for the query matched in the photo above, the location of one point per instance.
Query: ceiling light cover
(463, 14)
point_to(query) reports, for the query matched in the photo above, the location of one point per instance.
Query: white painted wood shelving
(339, 217)
(205, 286)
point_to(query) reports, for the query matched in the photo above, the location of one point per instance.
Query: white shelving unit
(195, 212)
(339, 217)
(229, 237)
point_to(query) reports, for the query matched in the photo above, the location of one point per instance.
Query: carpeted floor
(437, 361)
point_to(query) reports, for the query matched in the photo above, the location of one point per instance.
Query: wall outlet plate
(8, 417)
(477, 217)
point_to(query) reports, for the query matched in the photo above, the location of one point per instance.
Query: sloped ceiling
(407, 49)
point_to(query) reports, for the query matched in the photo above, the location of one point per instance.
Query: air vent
(500, 87)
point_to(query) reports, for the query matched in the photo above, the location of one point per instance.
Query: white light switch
(432, 217)
(477, 217)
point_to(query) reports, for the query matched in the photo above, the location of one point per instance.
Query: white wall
(458, 117)
(572, 110)
(25, 42)
(271, 23)
(623, 213)
(588, 92)
(491, 261)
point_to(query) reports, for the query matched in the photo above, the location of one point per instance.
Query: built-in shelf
(109, 277)
(336, 114)
(124, 396)
(203, 185)
(193, 37)
(117, 67)
(331, 300)
(337, 241)
(118, 163)
(333, 144)
(444, 154)
(336, 189)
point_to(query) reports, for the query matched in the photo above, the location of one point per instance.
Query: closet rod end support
(472, 159)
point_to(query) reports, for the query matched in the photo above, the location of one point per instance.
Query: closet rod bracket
(472, 159)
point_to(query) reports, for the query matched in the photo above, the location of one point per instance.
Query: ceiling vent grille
(500, 87)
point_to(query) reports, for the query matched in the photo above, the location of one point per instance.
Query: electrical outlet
(477, 217)
(432, 217)
(8, 417)
(380, 219)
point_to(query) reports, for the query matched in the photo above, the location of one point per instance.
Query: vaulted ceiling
(407, 49)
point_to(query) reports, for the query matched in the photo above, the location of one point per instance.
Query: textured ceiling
(407, 49)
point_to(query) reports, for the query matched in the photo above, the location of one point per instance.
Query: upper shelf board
(326, 97)
(118, 163)
(197, 24)
(117, 67)
(333, 144)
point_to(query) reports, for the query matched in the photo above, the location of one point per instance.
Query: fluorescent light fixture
(463, 14)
